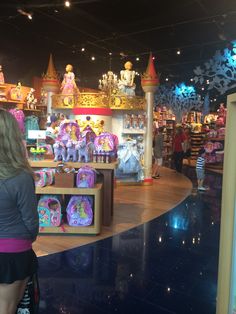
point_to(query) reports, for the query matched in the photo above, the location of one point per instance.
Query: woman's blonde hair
(12, 150)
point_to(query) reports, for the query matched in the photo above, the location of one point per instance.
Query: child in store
(200, 169)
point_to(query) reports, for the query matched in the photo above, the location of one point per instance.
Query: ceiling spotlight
(178, 52)
(93, 58)
(110, 53)
(153, 58)
(191, 79)
(167, 79)
(137, 59)
(22, 12)
(203, 88)
(82, 49)
(67, 4)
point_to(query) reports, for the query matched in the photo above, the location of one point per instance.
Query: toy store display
(85, 177)
(80, 211)
(134, 123)
(20, 118)
(37, 153)
(64, 176)
(214, 146)
(80, 214)
(49, 210)
(130, 156)
(31, 123)
(74, 145)
(197, 141)
(214, 137)
(163, 117)
(60, 214)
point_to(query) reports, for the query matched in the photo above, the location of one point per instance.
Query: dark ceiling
(127, 29)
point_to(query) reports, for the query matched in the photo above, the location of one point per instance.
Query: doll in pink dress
(68, 85)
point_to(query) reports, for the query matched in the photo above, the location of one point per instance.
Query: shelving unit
(65, 228)
(169, 129)
(107, 172)
(215, 164)
(197, 141)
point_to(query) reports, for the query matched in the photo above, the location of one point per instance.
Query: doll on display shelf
(31, 100)
(2, 80)
(126, 83)
(134, 121)
(68, 85)
(141, 121)
(127, 121)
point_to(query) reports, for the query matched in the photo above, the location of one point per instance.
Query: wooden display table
(65, 228)
(106, 169)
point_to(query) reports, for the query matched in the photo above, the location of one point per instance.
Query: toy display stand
(95, 228)
(107, 193)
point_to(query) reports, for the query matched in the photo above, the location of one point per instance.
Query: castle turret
(149, 82)
(50, 83)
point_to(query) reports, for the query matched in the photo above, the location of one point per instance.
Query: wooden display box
(64, 180)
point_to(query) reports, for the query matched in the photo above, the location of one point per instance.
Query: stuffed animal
(59, 151)
(82, 150)
(71, 151)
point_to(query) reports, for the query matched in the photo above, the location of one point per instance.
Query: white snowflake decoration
(179, 98)
(219, 72)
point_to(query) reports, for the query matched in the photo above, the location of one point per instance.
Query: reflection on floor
(167, 265)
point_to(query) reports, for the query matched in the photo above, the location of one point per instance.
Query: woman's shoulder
(21, 177)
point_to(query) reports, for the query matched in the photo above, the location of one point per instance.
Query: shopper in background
(200, 169)
(18, 216)
(187, 145)
(157, 152)
(179, 145)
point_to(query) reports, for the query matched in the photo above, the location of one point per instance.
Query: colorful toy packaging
(104, 142)
(85, 177)
(40, 178)
(49, 210)
(69, 131)
(79, 211)
(44, 177)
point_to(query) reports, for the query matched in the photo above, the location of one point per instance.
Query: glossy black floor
(168, 265)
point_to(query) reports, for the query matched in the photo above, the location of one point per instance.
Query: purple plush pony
(59, 151)
(71, 151)
(82, 150)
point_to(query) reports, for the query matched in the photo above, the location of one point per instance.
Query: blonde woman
(18, 216)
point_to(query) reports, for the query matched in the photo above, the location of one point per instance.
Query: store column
(226, 292)
(149, 83)
(50, 84)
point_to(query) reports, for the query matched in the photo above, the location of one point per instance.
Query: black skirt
(17, 266)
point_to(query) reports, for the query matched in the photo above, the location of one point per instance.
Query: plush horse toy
(82, 150)
(71, 151)
(59, 151)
